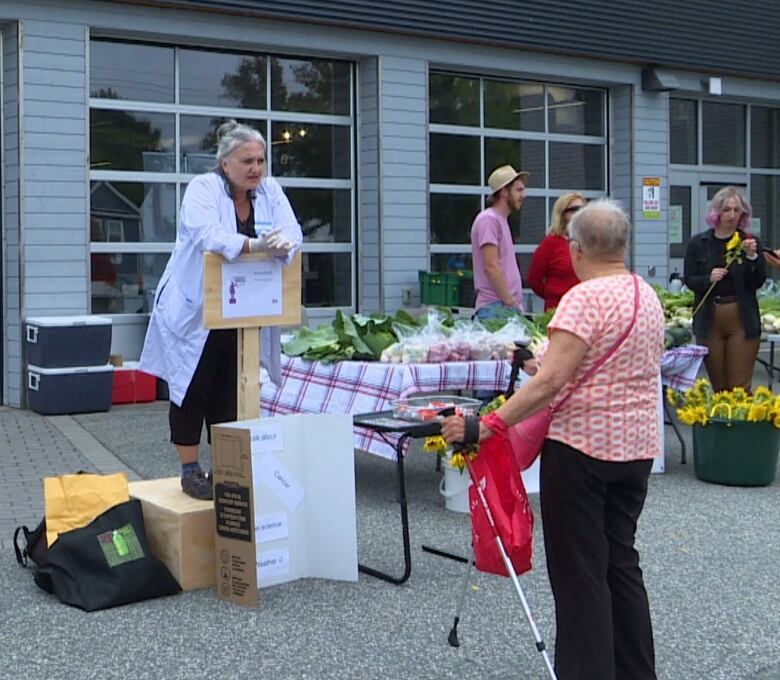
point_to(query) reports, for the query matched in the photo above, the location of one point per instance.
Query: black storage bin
(60, 391)
(65, 341)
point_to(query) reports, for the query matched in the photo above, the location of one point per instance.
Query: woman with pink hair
(727, 320)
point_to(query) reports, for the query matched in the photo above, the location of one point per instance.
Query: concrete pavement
(709, 553)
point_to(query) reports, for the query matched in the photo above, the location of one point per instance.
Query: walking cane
(519, 356)
(452, 638)
(540, 646)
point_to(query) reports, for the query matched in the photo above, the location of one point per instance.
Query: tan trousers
(731, 356)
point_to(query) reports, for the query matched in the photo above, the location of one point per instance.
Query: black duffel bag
(104, 564)
(34, 547)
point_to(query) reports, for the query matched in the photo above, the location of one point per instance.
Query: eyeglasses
(573, 208)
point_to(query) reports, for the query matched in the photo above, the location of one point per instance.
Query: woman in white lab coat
(235, 209)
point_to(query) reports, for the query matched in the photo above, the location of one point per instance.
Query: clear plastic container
(428, 408)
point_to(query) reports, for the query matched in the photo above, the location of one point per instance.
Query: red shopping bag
(527, 437)
(495, 472)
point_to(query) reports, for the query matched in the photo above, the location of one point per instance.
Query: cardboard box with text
(284, 500)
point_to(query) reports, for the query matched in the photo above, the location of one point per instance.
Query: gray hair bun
(231, 135)
(226, 128)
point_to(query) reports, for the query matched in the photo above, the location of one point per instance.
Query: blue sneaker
(197, 485)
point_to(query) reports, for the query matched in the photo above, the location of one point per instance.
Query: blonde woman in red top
(551, 273)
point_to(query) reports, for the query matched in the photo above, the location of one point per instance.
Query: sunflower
(458, 461)
(435, 444)
(757, 413)
(734, 242)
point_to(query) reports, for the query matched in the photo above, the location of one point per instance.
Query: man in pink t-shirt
(496, 275)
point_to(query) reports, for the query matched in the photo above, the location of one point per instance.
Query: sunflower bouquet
(700, 405)
(457, 459)
(735, 250)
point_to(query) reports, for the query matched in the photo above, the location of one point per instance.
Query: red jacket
(551, 273)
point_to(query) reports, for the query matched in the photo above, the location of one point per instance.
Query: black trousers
(212, 394)
(589, 513)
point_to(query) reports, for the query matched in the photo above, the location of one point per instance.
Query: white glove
(260, 244)
(278, 245)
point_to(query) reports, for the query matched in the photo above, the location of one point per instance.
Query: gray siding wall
(45, 172)
(55, 168)
(369, 250)
(651, 154)
(403, 96)
(621, 151)
(10, 219)
(639, 149)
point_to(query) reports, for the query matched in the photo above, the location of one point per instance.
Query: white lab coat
(207, 223)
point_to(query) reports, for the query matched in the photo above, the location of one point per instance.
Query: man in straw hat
(496, 275)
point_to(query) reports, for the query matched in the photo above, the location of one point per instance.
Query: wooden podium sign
(252, 291)
(219, 275)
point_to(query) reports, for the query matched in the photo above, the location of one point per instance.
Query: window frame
(266, 117)
(483, 132)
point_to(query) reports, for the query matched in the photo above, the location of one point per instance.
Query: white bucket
(454, 486)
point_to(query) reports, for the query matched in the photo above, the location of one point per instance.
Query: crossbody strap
(609, 352)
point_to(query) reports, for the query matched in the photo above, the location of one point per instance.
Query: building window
(723, 134)
(765, 200)
(764, 137)
(556, 132)
(683, 131)
(154, 114)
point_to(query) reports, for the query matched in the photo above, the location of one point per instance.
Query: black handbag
(104, 564)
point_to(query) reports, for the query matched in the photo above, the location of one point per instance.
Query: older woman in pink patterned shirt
(598, 453)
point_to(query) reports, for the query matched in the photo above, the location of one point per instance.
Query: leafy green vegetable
(320, 341)
(403, 317)
(379, 341)
(348, 337)
(673, 302)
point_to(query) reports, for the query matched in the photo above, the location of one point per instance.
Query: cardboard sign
(284, 499)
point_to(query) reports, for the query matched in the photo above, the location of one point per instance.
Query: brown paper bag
(73, 501)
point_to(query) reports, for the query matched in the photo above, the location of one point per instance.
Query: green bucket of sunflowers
(736, 434)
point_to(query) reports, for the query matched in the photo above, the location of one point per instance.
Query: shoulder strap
(610, 351)
(21, 553)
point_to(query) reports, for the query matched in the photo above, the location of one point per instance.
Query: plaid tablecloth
(680, 366)
(367, 387)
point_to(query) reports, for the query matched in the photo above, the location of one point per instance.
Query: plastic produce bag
(435, 336)
(502, 343)
(467, 338)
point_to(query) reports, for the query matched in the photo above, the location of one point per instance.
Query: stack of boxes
(67, 364)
